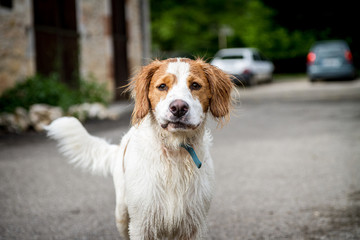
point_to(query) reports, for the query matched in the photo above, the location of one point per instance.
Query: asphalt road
(287, 167)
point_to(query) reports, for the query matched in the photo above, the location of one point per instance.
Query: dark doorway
(56, 39)
(119, 43)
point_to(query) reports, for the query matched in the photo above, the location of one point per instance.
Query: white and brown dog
(161, 191)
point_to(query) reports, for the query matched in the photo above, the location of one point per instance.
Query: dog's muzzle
(178, 108)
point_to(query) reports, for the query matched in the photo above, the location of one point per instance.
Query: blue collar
(193, 155)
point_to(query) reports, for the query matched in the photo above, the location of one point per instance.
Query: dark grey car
(330, 60)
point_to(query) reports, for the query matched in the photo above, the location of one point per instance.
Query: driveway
(287, 167)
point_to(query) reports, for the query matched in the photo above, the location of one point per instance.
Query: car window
(330, 50)
(233, 57)
(330, 46)
(262, 57)
(256, 56)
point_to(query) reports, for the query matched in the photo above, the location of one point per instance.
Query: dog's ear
(220, 87)
(139, 87)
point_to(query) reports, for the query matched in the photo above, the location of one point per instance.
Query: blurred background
(287, 163)
(283, 31)
(109, 40)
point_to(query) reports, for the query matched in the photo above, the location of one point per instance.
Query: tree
(323, 19)
(190, 28)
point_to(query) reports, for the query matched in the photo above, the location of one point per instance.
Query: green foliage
(37, 89)
(187, 27)
(49, 90)
(91, 91)
(192, 27)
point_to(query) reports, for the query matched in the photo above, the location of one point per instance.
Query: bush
(49, 90)
(92, 91)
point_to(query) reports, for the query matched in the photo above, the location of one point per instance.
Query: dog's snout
(178, 108)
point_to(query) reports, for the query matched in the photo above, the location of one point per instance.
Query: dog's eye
(162, 87)
(195, 86)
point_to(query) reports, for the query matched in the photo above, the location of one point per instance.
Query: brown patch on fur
(122, 221)
(140, 90)
(160, 77)
(220, 87)
(197, 75)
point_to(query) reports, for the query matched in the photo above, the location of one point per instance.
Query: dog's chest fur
(171, 195)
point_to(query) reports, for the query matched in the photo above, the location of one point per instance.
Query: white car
(247, 65)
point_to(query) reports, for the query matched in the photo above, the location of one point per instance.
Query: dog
(162, 170)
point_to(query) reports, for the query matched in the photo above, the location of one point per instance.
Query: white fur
(160, 194)
(83, 150)
(181, 91)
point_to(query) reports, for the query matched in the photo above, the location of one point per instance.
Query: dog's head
(179, 92)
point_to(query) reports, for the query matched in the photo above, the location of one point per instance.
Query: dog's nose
(178, 108)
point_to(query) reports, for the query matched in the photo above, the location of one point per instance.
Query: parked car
(247, 65)
(330, 60)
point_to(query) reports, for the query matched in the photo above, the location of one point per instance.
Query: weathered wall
(96, 46)
(134, 43)
(94, 27)
(17, 52)
(16, 43)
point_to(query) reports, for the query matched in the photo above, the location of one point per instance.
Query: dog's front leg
(122, 220)
(138, 232)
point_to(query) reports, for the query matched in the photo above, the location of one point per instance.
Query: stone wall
(16, 43)
(94, 27)
(96, 46)
(134, 32)
(17, 51)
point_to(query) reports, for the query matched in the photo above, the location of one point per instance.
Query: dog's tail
(83, 150)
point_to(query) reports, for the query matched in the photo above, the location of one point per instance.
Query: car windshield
(330, 50)
(232, 57)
